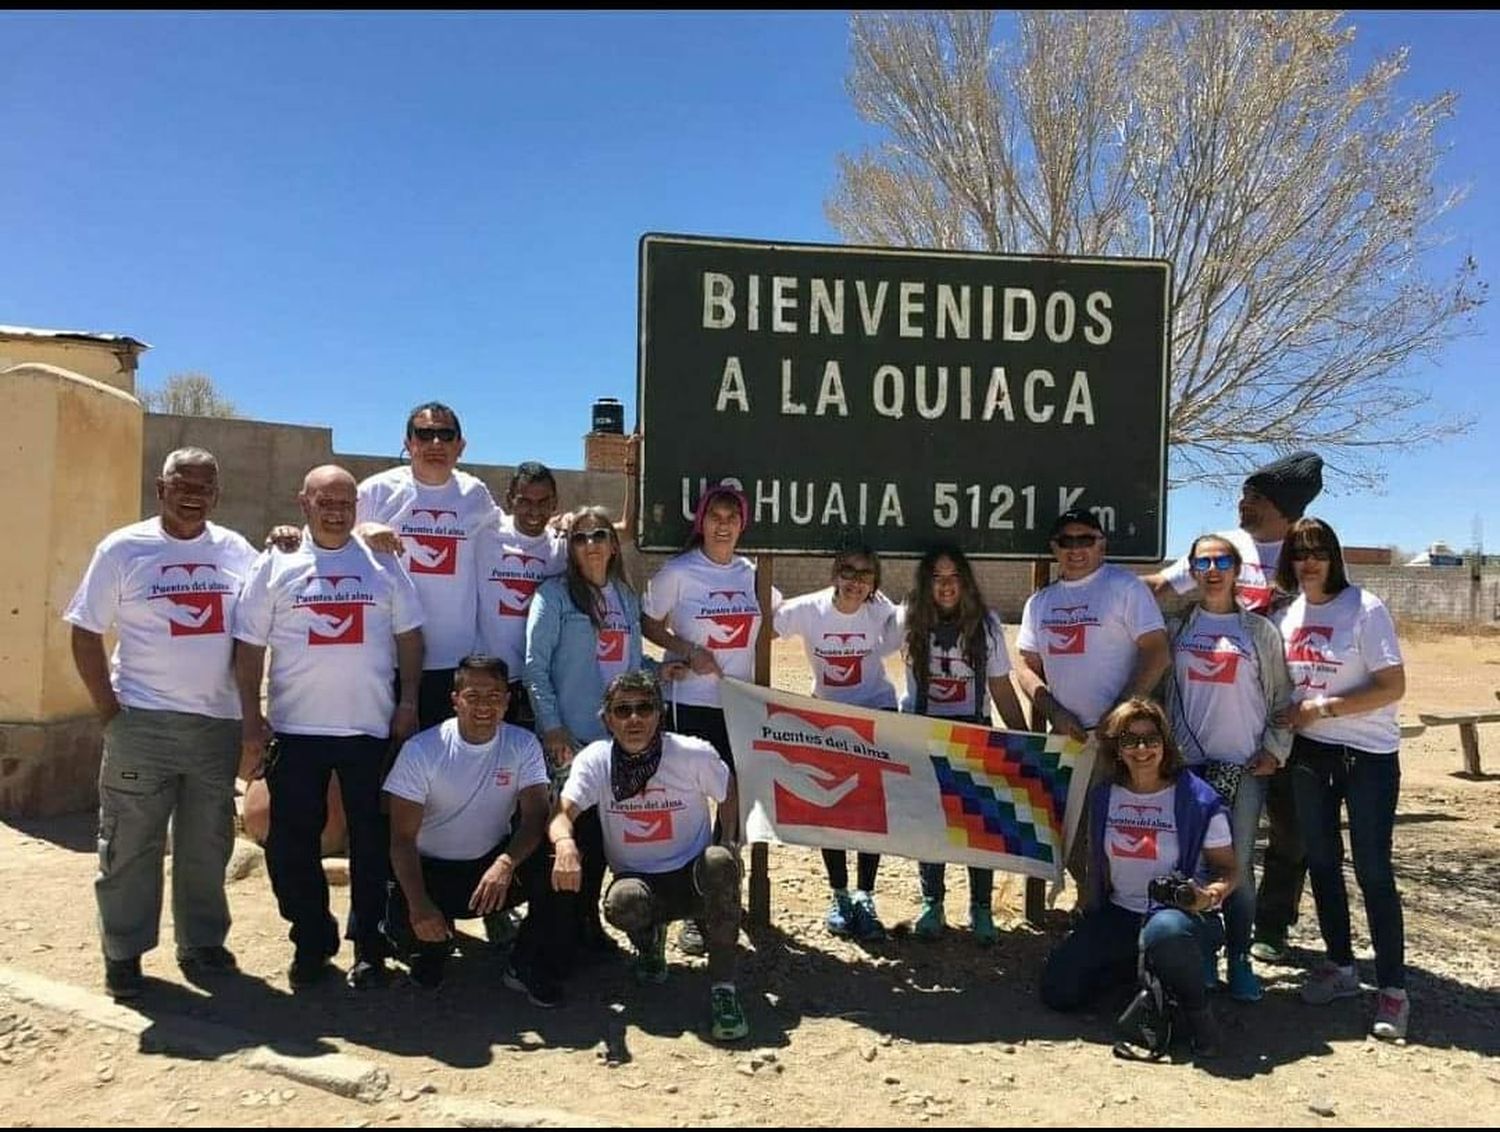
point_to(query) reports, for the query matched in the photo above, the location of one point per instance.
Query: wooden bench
(1467, 723)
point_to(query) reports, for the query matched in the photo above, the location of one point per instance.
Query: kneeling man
(653, 789)
(455, 791)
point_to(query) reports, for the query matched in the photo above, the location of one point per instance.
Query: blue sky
(338, 215)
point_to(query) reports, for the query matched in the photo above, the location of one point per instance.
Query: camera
(1171, 891)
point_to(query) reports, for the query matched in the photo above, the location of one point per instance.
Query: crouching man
(455, 791)
(653, 789)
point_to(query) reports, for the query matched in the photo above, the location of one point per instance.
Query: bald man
(340, 620)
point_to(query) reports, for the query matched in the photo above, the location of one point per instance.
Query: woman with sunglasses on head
(847, 630)
(582, 630)
(1147, 821)
(1347, 676)
(956, 664)
(1227, 683)
(701, 608)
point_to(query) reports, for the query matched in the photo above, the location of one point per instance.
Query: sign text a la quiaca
(902, 397)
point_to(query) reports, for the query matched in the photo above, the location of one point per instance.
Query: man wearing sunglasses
(513, 558)
(653, 790)
(1272, 499)
(430, 514)
(455, 792)
(1090, 640)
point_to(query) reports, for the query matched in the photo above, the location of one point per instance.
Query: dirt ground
(901, 1033)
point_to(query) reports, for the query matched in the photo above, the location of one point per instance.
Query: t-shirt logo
(833, 775)
(1069, 635)
(195, 605)
(1136, 842)
(428, 550)
(1210, 667)
(504, 776)
(1252, 590)
(843, 671)
(646, 825)
(516, 589)
(1307, 686)
(611, 645)
(1309, 643)
(948, 689)
(335, 607)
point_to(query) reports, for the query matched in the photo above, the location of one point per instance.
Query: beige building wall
(107, 358)
(70, 463)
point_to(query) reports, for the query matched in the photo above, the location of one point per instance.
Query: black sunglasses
(428, 435)
(1206, 562)
(643, 708)
(1316, 553)
(1076, 542)
(855, 574)
(1130, 740)
(598, 534)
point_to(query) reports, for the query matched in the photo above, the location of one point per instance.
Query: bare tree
(188, 395)
(1294, 198)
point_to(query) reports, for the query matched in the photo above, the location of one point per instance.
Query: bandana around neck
(628, 774)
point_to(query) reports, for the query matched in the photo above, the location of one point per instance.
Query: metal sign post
(760, 855)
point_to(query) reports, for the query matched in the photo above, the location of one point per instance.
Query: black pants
(545, 942)
(589, 835)
(705, 723)
(705, 889)
(434, 696)
(836, 861)
(1285, 870)
(298, 785)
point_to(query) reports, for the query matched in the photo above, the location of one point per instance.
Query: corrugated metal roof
(72, 335)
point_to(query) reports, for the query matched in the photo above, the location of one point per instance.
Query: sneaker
(1244, 984)
(539, 991)
(866, 923)
(841, 915)
(1270, 946)
(729, 1019)
(368, 974)
(502, 926)
(690, 939)
(982, 924)
(1211, 971)
(207, 960)
(930, 923)
(308, 969)
(1203, 1032)
(1392, 1012)
(1328, 982)
(651, 957)
(123, 978)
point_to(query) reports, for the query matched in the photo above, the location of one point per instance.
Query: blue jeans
(934, 886)
(1104, 950)
(1244, 820)
(1325, 776)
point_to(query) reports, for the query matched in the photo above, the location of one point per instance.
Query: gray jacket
(1275, 681)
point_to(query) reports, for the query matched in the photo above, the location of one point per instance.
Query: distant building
(1438, 554)
(1367, 555)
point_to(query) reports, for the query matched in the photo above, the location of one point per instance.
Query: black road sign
(902, 397)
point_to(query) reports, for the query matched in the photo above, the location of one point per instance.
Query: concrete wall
(110, 362)
(1446, 594)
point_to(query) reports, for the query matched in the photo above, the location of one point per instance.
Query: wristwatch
(1324, 706)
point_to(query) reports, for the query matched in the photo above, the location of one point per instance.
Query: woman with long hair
(1227, 683)
(956, 665)
(1347, 676)
(846, 629)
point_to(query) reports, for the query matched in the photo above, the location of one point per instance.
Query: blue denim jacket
(562, 668)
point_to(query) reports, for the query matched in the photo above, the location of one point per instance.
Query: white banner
(817, 773)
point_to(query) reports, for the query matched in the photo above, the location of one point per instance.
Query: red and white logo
(729, 630)
(948, 689)
(1309, 643)
(1135, 842)
(611, 646)
(515, 595)
(829, 789)
(843, 671)
(644, 826)
(192, 613)
(1253, 591)
(427, 552)
(504, 776)
(1210, 667)
(331, 621)
(1066, 640)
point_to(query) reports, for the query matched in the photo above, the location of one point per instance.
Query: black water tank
(609, 416)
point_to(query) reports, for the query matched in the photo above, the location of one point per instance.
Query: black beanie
(1290, 483)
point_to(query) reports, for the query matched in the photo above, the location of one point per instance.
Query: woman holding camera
(1227, 683)
(1148, 822)
(1347, 676)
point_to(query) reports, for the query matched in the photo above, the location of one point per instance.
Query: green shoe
(651, 956)
(729, 1019)
(929, 924)
(982, 924)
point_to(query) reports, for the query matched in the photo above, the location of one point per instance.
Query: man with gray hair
(171, 717)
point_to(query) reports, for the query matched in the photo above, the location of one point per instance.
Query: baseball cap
(1075, 515)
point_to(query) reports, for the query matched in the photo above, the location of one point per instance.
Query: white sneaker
(1392, 1012)
(1329, 981)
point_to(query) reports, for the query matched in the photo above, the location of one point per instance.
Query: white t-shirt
(951, 686)
(511, 566)
(613, 637)
(1219, 693)
(709, 605)
(1086, 633)
(468, 792)
(330, 618)
(1140, 840)
(666, 825)
(437, 526)
(844, 650)
(173, 602)
(1256, 584)
(1331, 649)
